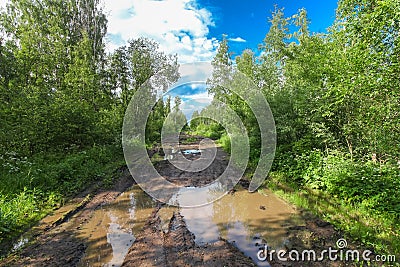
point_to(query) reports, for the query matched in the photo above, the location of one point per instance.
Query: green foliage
(29, 188)
(175, 121)
(373, 228)
(23, 209)
(335, 101)
(371, 184)
(52, 90)
(225, 142)
(63, 102)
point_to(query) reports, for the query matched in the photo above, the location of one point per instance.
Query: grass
(376, 230)
(31, 187)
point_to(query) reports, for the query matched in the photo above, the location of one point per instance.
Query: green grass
(32, 187)
(374, 229)
(212, 131)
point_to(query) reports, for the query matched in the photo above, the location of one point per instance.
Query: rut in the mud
(177, 247)
(55, 241)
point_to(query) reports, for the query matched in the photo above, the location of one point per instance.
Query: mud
(55, 241)
(197, 179)
(177, 247)
(122, 226)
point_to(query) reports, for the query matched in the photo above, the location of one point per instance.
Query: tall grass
(31, 187)
(359, 197)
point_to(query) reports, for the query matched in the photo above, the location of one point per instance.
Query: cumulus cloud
(204, 98)
(237, 39)
(180, 26)
(3, 4)
(190, 105)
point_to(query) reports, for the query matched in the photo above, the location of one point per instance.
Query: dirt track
(57, 244)
(176, 247)
(56, 241)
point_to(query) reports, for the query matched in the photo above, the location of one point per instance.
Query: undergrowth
(360, 197)
(31, 187)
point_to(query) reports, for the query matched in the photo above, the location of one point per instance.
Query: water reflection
(111, 230)
(248, 220)
(191, 151)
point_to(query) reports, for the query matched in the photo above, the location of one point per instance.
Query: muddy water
(112, 228)
(247, 220)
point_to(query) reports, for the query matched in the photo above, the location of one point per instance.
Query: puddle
(112, 228)
(191, 151)
(247, 220)
(20, 243)
(45, 222)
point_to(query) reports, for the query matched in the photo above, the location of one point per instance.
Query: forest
(335, 98)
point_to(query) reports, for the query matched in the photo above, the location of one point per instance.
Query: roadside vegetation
(335, 99)
(63, 99)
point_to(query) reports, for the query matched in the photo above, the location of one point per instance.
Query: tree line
(335, 98)
(59, 87)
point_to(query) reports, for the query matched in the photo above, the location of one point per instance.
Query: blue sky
(194, 97)
(191, 87)
(247, 21)
(193, 28)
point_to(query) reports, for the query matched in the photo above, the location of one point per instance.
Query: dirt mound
(176, 247)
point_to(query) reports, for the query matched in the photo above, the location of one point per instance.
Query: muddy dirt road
(123, 226)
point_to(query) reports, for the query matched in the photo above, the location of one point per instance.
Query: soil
(176, 247)
(55, 241)
(198, 179)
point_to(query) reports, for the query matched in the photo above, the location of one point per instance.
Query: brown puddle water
(247, 220)
(112, 228)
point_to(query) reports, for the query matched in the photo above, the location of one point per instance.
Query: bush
(30, 188)
(375, 185)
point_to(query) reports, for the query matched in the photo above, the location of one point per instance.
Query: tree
(167, 106)
(222, 64)
(195, 120)
(177, 103)
(47, 39)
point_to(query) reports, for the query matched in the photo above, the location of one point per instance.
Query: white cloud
(180, 26)
(196, 102)
(205, 98)
(237, 39)
(198, 72)
(3, 3)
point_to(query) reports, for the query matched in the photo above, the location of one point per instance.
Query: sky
(194, 97)
(192, 29)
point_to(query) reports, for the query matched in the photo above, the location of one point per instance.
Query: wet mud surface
(123, 226)
(58, 244)
(177, 247)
